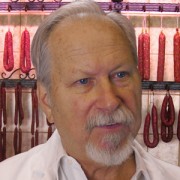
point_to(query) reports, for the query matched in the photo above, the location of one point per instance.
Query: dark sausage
(161, 57)
(25, 62)
(146, 56)
(177, 56)
(8, 57)
(140, 55)
(168, 104)
(154, 117)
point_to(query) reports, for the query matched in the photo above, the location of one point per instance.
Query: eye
(83, 81)
(121, 74)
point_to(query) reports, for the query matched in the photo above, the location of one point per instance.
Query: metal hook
(42, 7)
(118, 7)
(9, 8)
(110, 7)
(167, 88)
(127, 7)
(177, 9)
(161, 8)
(26, 7)
(144, 8)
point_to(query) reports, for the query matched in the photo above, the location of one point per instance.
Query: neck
(119, 172)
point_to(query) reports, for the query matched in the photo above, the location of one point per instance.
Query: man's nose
(108, 99)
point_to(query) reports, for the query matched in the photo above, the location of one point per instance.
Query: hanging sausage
(154, 118)
(176, 49)
(167, 118)
(18, 118)
(8, 56)
(35, 117)
(161, 56)
(3, 122)
(25, 61)
(140, 55)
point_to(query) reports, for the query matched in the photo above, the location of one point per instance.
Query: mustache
(122, 115)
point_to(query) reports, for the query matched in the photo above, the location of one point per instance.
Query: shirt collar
(66, 166)
(141, 170)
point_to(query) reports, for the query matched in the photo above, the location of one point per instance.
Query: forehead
(86, 31)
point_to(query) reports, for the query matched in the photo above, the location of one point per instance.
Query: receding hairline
(82, 19)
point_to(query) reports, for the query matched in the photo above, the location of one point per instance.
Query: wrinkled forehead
(90, 31)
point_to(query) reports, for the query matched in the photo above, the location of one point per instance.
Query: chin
(113, 153)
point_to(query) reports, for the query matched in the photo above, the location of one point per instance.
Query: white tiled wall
(165, 151)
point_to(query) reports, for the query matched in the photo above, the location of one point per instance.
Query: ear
(44, 101)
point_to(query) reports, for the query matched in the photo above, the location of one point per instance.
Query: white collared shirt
(49, 161)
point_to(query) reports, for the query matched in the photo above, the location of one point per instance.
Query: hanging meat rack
(32, 5)
(40, 5)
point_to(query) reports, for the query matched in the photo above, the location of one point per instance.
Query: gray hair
(39, 50)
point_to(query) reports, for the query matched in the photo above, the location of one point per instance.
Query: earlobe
(44, 101)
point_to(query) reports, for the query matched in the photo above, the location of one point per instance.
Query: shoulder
(19, 164)
(157, 168)
(38, 163)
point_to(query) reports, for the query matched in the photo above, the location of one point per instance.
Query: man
(89, 86)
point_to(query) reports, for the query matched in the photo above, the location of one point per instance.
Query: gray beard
(119, 144)
(110, 157)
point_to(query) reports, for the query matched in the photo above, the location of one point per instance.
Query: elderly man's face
(96, 94)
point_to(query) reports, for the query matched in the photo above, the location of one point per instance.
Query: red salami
(25, 62)
(8, 57)
(161, 57)
(146, 55)
(166, 133)
(168, 108)
(154, 117)
(140, 55)
(177, 56)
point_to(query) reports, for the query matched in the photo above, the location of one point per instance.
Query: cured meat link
(166, 133)
(177, 56)
(140, 55)
(25, 61)
(168, 105)
(154, 116)
(8, 57)
(161, 57)
(146, 55)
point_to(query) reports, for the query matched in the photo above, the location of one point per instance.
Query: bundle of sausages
(167, 122)
(154, 123)
(8, 56)
(144, 55)
(167, 118)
